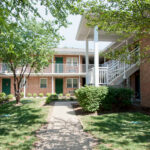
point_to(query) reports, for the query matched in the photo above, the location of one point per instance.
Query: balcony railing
(51, 69)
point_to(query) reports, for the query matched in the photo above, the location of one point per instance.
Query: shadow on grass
(17, 130)
(121, 129)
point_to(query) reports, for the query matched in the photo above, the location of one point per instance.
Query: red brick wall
(33, 85)
(145, 77)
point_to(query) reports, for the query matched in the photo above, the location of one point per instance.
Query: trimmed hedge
(101, 98)
(51, 98)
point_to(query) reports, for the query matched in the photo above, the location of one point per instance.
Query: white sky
(69, 33)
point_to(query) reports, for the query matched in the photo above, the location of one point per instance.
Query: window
(73, 61)
(72, 83)
(43, 83)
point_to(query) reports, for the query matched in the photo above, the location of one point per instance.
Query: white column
(52, 85)
(24, 88)
(87, 60)
(79, 82)
(52, 65)
(79, 64)
(96, 57)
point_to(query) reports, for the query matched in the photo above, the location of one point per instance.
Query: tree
(124, 17)
(27, 47)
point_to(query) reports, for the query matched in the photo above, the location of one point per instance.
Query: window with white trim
(43, 83)
(72, 61)
(72, 83)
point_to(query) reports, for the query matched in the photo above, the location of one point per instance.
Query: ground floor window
(43, 83)
(72, 83)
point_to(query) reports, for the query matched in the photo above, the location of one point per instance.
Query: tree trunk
(17, 95)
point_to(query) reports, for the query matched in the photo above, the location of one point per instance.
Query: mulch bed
(79, 111)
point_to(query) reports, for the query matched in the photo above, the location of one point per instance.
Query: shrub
(22, 94)
(88, 98)
(2, 97)
(68, 95)
(104, 98)
(54, 97)
(48, 94)
(61, 94)
(10, 96)
(41, 94)
(34, 95)
(29, 95)
(51, 98)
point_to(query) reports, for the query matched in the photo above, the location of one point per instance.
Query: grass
(17, 131)
(119, 131)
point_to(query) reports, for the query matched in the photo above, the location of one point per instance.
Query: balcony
(56, 69)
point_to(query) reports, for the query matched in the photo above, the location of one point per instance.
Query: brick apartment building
(65, 74)
(73, 68)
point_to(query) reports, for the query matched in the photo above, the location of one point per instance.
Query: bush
(48, 94)
(88, 98)
(54, 97)
(104, 98)
(51, 98)
(2, 97)
(34, 95)
(41, 94)
(68, 95)
(29, 95)
(61, 95)
(22, 94)
(10, 96)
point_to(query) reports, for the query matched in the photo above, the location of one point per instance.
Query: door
(6, 86)
(59, 65)
(137, 85)
(59, 86)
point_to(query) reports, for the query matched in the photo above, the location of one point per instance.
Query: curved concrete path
(64, 131)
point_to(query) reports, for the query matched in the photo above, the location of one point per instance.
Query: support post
(87, 60)
(52, 65)
(24, 88)
(79, 82)
(96, 57)
(52, 85)
(79, 64)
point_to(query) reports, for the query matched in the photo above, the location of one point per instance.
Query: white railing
(103, 75)
(114, 69)
(51, 69)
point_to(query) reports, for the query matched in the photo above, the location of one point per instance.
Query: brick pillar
(145, 76)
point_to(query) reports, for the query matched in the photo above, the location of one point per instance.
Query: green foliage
(34, 95)
(29, 95)
(61, 94)
(3, 97)
(104, 98)
(10, 96)
(88, 98)
(22, 94)
(68, 95)
(41, 94)
(48, 94)
(52, 97)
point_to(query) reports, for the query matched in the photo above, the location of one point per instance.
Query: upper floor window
(73, 61)
(43, 83)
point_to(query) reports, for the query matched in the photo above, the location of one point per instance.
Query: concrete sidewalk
(64, 131)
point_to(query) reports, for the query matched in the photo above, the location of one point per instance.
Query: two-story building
(135, 75)
(65, 74)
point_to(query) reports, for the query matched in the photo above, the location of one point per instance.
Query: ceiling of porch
(86, 33)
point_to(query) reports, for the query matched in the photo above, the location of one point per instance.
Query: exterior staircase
(114, 72)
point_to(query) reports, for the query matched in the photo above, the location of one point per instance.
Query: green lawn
(17, 130)
(119, 131)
